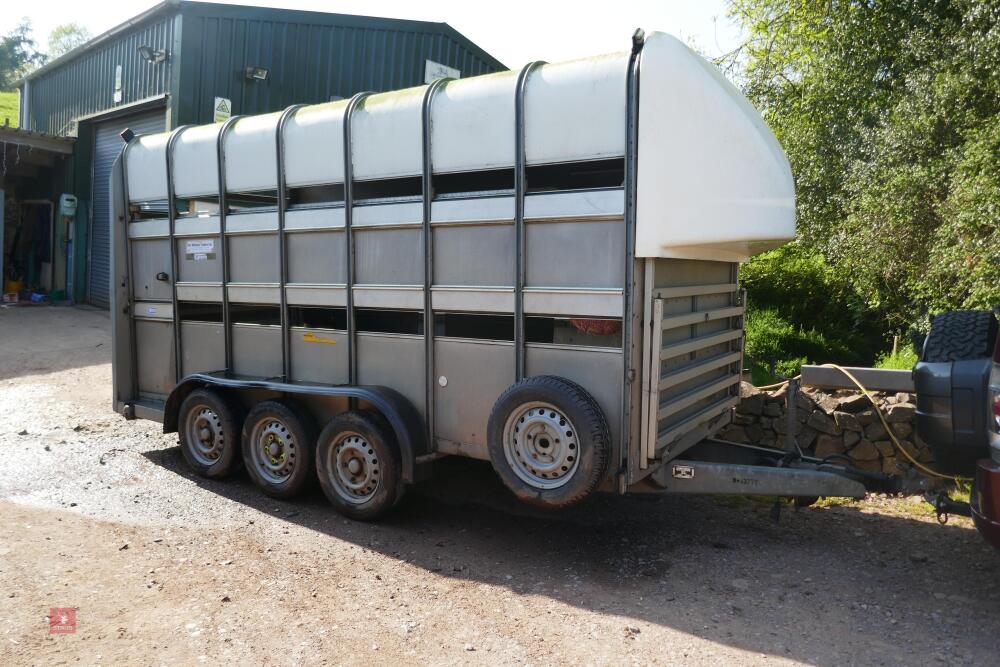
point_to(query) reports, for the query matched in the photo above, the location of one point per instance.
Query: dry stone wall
(831, 424)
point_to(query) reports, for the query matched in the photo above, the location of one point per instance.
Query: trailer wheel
(209, 427)
(548, 441)
(278, 448)
(358, 464)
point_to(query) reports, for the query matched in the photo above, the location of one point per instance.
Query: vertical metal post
(428, 197)
(174, 264)
(129, 283)
(791, 418)
(520, 185)
(220, 151)
(740, 299)
(631, 166)
(279, 142)
(352, 363)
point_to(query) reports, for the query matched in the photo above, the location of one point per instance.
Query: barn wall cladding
(309, 58)
(196, 52)
(62, 94)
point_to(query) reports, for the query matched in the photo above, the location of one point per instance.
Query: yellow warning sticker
(310, 337)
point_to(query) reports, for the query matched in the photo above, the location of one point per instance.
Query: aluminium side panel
(471, 375)
(204, 347)
(319, 355)
(587, 254)
(155, 358)
(257, 350)
(393, 360)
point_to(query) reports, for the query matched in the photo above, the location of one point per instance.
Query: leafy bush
(800, 311)
(787, 368)
(776, 345)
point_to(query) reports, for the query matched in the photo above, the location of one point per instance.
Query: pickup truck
(957, 383)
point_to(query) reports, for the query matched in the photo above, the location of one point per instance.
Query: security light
(151, 55)
(257, 73)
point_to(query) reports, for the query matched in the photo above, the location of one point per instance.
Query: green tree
(18, 55)
(889, 112)
(66, 37)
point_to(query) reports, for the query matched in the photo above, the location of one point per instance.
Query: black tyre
(209, 427)
(960, 335)
(549, 441)
(358, 465)
(278, 448)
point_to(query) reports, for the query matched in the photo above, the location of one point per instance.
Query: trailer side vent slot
(196, 311)
(315, 195)
(148, 210)
(389, 321)
(585, 332)
(470, 183)
(389, 188)
(190, 208)
(474, 325)
(576, 175)
(318, 318)
(254, 314)
(242, 201)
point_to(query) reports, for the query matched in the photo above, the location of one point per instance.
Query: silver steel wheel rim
(541, 446)
(273, 450)
(204, 435)
(353, 468)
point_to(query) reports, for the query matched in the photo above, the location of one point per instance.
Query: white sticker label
(151, 311)
(199, 250)
(434, 71)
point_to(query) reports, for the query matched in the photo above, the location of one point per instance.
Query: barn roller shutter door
(107, 146)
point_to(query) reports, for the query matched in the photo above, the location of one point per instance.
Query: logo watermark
(62, 620)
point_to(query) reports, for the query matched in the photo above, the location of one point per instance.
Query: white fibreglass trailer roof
(713, 182)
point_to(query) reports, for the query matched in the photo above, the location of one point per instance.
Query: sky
(514, 31)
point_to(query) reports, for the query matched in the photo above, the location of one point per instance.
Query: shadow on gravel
(46, 339)
(814, 587)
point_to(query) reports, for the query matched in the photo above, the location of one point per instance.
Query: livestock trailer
(535, 268)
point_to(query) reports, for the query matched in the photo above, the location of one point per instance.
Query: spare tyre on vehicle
(951, 381)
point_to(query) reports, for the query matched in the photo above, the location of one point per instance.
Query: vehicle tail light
(994, 397)
(996, 409)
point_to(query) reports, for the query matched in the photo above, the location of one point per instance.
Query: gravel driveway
(162, 567)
